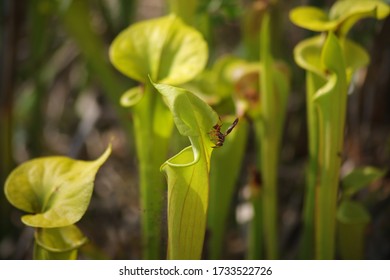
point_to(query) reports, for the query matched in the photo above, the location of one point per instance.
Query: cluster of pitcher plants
(214, 108)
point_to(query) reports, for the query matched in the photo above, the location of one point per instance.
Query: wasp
(218, 136)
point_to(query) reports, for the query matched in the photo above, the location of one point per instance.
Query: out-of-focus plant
(186, 10)
(56, 191)
(352, 216)
(168, 51)
(226, 165)
(330, 61)
(274, 90)
(262, 92)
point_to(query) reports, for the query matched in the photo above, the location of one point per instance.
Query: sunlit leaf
(312, 18)
(346, 8)
(55, 190)
(188, 173)
(191, 115)
(348, 12)
(342, 16)
(164, 48)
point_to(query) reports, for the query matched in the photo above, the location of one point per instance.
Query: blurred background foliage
(59, 95)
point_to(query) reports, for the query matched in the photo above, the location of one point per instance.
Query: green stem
(153, 126)
(269, 164)
(313, 82)
(270, 141)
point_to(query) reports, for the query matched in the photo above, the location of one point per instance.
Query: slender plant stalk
(269, 143)
(269, 195)
(151, 137)
(313, 82)
(274, 88)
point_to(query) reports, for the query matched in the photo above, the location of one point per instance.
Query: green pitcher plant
(188, 172)
(56, 192)
(330, 59)
(168, 51)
